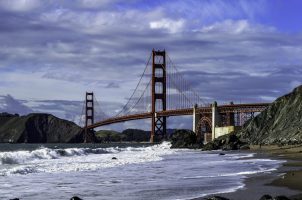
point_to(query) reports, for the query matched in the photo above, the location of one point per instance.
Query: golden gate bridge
(161, 92)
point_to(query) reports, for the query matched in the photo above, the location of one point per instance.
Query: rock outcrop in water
(184, 139)
(226, 142)
(280, 124)
(38, 128)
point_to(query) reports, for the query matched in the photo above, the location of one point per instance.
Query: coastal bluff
(279, 124)
(38, 128)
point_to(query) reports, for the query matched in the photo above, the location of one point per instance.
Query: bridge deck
(240, 108)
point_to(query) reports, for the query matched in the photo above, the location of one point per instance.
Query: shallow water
(139, 172)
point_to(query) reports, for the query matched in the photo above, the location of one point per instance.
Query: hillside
(38, 128)
(108, 136)
(280, 123)
(128, 135)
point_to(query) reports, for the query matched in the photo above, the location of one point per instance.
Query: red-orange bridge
(161, 92)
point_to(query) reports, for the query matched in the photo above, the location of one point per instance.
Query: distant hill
(38, 128)
(280, 123)
(109, 136)
(128, 135)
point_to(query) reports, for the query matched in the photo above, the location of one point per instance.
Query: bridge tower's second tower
(158, 91)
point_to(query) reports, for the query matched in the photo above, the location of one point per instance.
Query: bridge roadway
(232, 108)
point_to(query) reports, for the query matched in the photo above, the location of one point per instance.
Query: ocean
(140, 171)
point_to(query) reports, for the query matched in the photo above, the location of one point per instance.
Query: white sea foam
(137, 173)
(20, 157)
(233, 174)
(78, 159)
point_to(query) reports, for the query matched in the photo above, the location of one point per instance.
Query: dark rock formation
(184, 139)
(280, 123)
(38, 128)
(281, 198)
(75, 198)
(266, 197)
(226, 142)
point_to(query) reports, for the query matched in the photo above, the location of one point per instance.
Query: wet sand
(287, 180)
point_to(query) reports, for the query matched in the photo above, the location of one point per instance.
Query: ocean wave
(20, 157)
(77, 159)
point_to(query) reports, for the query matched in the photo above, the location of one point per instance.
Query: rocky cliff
(280, 123)
(38, 128)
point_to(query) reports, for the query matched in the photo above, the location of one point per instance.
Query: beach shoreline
(284, 181)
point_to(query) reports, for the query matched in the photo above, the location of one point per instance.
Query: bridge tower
(89, 116)
(158, 91)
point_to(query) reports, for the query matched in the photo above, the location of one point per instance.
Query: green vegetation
(128, 135)
(108, 136)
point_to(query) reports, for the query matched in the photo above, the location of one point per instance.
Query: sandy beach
(285, 181)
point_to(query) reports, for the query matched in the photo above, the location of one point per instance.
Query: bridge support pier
(196, 118)
(215, 119)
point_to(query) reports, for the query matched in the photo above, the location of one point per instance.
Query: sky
(232, 50)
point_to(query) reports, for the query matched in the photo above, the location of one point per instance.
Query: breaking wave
(77, 159)
(20, 157)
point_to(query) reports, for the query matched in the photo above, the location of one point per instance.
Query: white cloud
(268, 98)
(235, 27)
(295, 83)
(96, 3)
(11, 105)
(172, 26)
(20, 5)
(68, 50)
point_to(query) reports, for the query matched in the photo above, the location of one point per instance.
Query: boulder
(266, 197)
(225, 142)
(184, 139)
(75, 198)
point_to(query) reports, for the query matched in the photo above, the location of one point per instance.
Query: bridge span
(166, 94)
(238, 108)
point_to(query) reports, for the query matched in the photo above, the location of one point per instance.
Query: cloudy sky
(236, 50)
